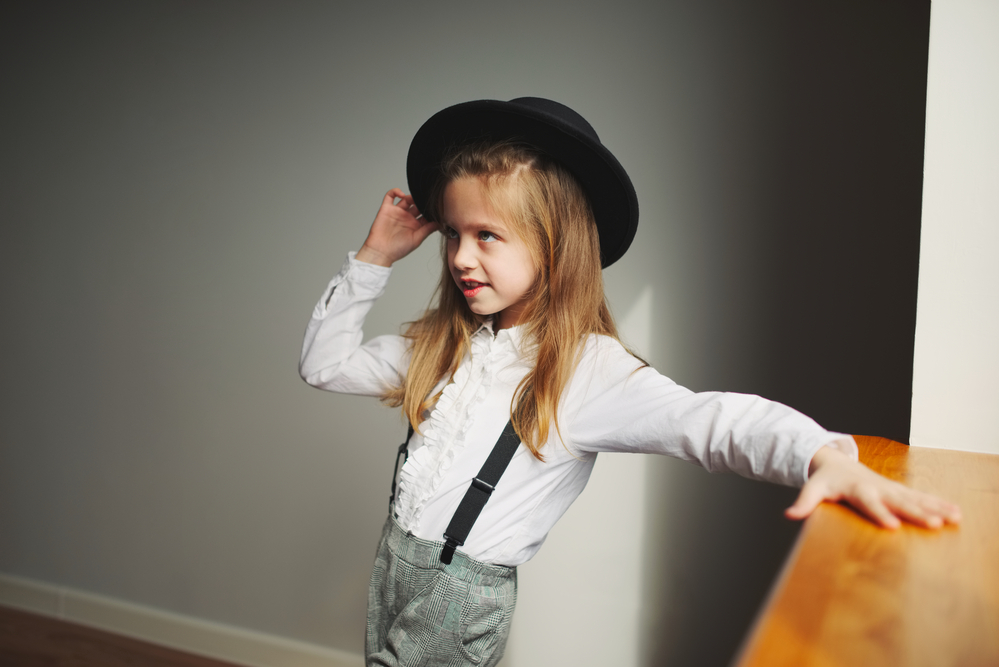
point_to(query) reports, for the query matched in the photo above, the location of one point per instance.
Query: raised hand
(398, 230)
(834, 476)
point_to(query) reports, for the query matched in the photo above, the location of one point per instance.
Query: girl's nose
(464, 255)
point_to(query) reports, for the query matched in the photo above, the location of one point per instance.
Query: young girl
(530, 206)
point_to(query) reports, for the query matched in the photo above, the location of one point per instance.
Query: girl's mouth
(470, 288)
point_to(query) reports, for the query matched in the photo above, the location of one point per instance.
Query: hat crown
(558, 112)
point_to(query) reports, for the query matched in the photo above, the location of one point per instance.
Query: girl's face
(491, 264)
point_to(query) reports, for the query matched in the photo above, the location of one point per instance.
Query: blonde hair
(547, 207)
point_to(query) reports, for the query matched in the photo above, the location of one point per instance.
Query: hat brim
(611, 194)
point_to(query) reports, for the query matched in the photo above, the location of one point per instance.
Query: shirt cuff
(364, 271)
(359, 279)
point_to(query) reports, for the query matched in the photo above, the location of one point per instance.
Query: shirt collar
(512, 334)
(487, 326)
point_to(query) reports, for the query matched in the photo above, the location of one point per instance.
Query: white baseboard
(184, 633)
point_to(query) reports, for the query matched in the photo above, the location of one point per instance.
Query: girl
(530, 206)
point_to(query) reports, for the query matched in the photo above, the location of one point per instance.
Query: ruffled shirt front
(611, 404)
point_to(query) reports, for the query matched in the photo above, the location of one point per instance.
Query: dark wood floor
(30, 640)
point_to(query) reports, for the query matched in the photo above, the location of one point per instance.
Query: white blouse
(611, 404)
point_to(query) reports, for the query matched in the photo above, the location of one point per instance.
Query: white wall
(955, 395)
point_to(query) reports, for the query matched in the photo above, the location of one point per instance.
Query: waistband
(426, 554)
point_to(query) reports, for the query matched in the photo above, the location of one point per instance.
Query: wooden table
(852, 594)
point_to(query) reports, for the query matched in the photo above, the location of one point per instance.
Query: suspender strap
(404, 453)
(479, 491)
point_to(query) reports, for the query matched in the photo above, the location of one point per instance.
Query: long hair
(547, 207)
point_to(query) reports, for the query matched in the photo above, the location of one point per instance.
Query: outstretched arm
(398, 230)
(834, 476)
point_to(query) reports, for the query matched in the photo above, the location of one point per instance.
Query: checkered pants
(422, 612)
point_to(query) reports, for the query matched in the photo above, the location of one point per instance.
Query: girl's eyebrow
(475, 226)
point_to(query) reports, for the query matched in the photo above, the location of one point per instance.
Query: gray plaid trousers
(422, 612)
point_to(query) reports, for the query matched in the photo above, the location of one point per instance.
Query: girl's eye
(486, 236)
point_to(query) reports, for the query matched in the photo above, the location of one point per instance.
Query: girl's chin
(479, 309)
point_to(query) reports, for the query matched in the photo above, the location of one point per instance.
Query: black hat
(553, 128)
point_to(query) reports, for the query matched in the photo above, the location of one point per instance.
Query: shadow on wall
(807, 279)
(735, 542)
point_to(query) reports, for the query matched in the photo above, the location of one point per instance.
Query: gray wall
(179, 180)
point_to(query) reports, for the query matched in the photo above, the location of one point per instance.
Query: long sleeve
(618, 406)
(333, 357)
(611, 404)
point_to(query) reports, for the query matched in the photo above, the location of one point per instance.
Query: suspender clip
(450, 544)
(483, 486)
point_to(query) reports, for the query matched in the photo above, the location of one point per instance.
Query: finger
(910, 510)
(396, 197)
(871, 504)
(953, 515)
(426, 229)
(416, 213)
(933, 508)
(950, 512)
(811, 496)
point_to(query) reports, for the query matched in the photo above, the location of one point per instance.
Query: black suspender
(478, 491)
(404, 453)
